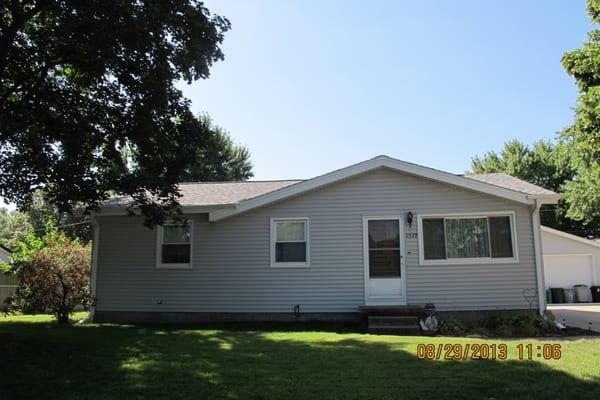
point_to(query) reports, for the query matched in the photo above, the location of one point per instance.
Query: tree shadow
(143, 362)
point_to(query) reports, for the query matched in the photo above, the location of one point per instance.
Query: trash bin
(583, 294)
(595, 294)
(558, 295)
(569, 295)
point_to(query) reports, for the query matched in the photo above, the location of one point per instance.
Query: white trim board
(381, 162)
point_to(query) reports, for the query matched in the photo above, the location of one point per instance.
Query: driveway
(580, 316)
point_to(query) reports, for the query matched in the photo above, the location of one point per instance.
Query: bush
(451, 327)
(522, 324)
(53, 275)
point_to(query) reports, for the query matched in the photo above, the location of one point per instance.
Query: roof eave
(189, 209)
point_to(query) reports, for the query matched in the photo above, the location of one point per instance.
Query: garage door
(568, 270)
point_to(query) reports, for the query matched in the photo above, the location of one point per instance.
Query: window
(174, 246)
(384, 248)
(289, 242)
(467, 238)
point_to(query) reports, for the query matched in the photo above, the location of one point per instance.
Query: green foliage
(522, 324)
(82, 80)
(451, 327)
(14, 227)
(583, 138)
(539, 164)
(75, 224)
(545, 164)
(218, 158)
(52, 274)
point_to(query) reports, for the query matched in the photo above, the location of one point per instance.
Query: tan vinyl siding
(231, 261)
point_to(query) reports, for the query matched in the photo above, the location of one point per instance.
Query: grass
(42, 360)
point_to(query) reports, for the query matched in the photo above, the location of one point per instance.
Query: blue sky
(312, 86)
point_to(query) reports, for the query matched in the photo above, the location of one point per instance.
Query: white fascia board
(545, 198)
(365, 166)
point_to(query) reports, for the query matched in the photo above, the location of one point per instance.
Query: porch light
(409, 218)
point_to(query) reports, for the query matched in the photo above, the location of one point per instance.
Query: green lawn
(41, 360)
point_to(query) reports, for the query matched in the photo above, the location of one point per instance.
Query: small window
(457, 239)
(174, 246)
(289, 242)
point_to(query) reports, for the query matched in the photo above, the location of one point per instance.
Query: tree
(14, 227)
(544, 164)
(74, 224)
(53, 275)
(218, 158)
(583, 137)
(82, 80)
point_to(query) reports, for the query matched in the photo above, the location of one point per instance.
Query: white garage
(569, 260)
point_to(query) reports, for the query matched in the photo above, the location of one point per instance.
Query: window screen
(290, 241)
(500, 237)
(176, 244)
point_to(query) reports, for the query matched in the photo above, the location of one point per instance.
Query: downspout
(95, 245)
(539, 258)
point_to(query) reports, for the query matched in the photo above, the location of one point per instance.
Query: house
(379, 233)
(569, 260)
(8, 283)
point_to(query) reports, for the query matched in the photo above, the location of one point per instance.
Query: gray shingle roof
(216, 193)
(228, 193)
(510, 182)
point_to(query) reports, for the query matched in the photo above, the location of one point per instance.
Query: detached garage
(569, 260)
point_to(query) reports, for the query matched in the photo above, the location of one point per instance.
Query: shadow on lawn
(105, 361)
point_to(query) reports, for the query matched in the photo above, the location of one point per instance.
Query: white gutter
(95, 245)
(539, 256)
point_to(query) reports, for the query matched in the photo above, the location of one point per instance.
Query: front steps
(395, 320)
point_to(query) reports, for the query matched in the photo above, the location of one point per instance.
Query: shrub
(522, 324)
(451, 327)
(53, 275)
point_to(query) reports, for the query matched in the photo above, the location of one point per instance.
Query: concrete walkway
(580, 316)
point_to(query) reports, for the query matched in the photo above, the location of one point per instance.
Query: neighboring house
(379, 233)
(8, 283)
(569, 260)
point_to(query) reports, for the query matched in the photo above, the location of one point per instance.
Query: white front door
(384, 260)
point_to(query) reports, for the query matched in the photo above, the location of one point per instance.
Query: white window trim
(463, 261)
(275, 264)
(159, 236)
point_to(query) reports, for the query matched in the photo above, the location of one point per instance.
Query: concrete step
(408, 310)
(400, 330)
(395, 320)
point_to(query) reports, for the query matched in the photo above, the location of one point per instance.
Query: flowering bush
(53, 275)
